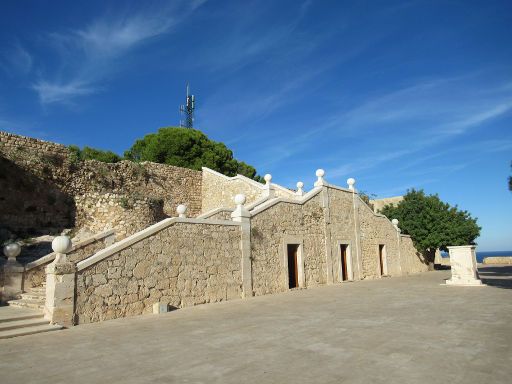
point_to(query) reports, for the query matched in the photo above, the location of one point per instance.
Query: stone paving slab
(392, 330)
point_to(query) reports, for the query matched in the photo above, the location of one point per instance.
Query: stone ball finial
(181, 209)
(320, 172)
(300, 185)
(268, 178)
(240, 198)
(61, 244)
(394, 222)
(12, 251)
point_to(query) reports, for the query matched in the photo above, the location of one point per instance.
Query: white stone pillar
(398, 240)
(300, 188)
(320, 181)
(463, 266)
(242, 215)
(13, 273)
(269, 188)
(181, 209)
(60, 285)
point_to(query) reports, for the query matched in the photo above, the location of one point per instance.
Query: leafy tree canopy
(188, 148)
(432, 223)
(88, 153)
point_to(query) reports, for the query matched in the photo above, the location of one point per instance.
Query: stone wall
(412, 260)
(46, 188)
(285, 223)
(35, 274)
(376, 230)
(378, 204)
(184, 264)
(342, 230)
(219, 190)
(127, 214)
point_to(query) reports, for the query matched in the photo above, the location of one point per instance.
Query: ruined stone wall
(375, 230)
(412, 260)
(342, 230)
(183, 265)
(44, 187)
(35, 276)
(127, 214)
(219, 190)
(271, 229)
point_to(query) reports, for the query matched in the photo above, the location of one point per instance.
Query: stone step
(16, 324)
(29, 330)
(8, 314)
(34, 304)
(33, 296)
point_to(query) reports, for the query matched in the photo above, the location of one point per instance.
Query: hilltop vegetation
(182, 147)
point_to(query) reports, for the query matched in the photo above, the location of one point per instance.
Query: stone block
(463, 266)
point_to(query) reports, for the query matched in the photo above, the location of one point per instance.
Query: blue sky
(394, 94)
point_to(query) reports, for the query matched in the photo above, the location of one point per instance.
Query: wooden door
(381, 259)
(293, 275)
(343, 267)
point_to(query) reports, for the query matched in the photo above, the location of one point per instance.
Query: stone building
(233, 238)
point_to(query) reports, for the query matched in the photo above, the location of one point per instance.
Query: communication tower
(187, 111)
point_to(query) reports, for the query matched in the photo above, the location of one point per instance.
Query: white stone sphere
(351, 181)
(12, 250)
(181, 209)
(300, 185)
(320, 173)
(240, 199)
(61, 244)
(268, 177)
(394, 222)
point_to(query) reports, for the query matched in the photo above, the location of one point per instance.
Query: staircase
(34, 299)
(23, 321)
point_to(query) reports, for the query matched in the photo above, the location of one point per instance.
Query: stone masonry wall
(97, 212)
(342, 230)
(36, 276)
(219, 191)
(183, 265)
(45, 187)
(377, 230)
(269, 231)
(412, 260)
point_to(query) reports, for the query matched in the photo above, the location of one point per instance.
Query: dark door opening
(293, 275)
(344, 273)
(381, 259)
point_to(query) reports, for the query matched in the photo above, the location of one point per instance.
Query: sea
(481, 254)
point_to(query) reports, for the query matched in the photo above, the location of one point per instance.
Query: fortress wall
(342, 228)
(412, 260)
(271, 229)
(375, 230)
(219, 190)
(45, 188)
(184, 264)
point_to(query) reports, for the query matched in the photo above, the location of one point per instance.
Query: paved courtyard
(399, 330)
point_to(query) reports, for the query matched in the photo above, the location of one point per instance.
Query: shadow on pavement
(499, 276)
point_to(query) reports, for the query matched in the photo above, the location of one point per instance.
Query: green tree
(88, 153)
(188, 148)
(432, 223)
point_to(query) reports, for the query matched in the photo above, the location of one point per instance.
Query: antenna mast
(187, 110)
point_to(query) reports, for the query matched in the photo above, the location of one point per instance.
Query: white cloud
(61, 93)
(90, 54)
(16, 60)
